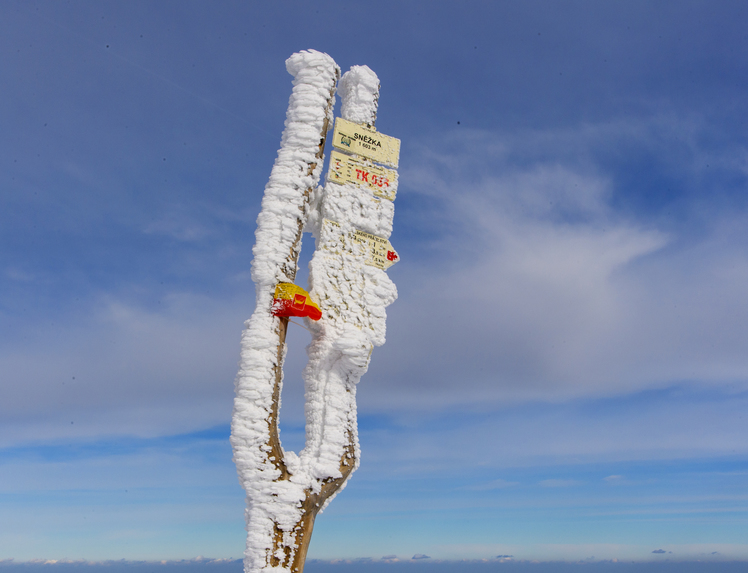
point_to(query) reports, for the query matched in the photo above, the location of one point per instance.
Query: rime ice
(284, 490)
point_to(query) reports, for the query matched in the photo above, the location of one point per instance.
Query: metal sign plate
(346, 169)
(355, 138)
(377, 251)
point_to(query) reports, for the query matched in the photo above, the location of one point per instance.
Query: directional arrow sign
(376, 251)
(379, 253)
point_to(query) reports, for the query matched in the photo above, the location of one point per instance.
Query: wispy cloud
(491, 485)
(559, 483)
(553, 282)
(123, 369)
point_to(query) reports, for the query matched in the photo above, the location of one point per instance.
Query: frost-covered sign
(344, 306)
(379, 252)
(375, 251)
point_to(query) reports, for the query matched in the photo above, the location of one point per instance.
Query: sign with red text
(346, 169)
(379, 252)
(366, 142)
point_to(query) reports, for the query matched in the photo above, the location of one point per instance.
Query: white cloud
(123, 369)
(180, 227)
(601, 551)
(543, 290)
(19, 275)
(535, 288)
(492, 485)
(559, 483)
(644, 427)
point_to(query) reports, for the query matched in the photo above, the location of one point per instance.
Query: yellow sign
(377, 251)
(347, 169)
(355, 138)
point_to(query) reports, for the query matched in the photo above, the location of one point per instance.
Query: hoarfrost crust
(273, 505)
(359, 93)
(297, 168)
(352, 296)
(284, 490)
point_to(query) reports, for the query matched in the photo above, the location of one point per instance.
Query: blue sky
(566, 373)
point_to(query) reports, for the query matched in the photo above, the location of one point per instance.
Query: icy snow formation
(352, 296)
(272, 503)
(285, 491)
(359, 94)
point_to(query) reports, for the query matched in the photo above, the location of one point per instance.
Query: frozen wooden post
(285, 491)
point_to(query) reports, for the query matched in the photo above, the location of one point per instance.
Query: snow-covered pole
(273, 502)
(351, 220)
(352, 294)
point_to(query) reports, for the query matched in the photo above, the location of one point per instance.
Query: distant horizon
(375, 566)
(387, 560)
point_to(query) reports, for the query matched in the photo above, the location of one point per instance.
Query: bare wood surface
(314, 502)
(276, 450)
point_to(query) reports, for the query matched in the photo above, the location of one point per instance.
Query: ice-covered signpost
(351, 221)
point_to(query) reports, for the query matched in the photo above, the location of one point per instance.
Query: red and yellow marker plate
(292, 300)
